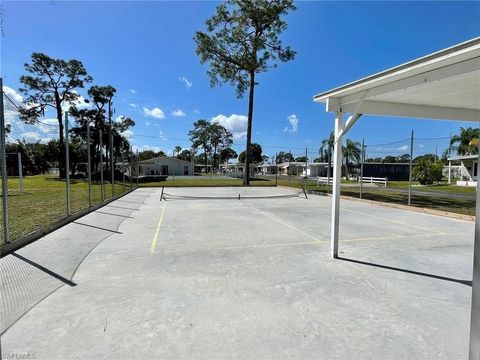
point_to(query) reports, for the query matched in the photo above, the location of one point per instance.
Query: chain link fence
(48, 178)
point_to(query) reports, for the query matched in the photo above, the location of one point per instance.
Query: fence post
(123, 168)
(20, 172)
(130, 164)
(102, 190)
(276, 169)
(410, 171)
(110, 138)
(67, 163)
(3, 156)
(362, 159)
(138, 168)
(89, 166)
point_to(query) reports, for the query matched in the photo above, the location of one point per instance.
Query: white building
(164, 166)
(468, 169)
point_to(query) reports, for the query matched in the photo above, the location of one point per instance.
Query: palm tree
(326, 149)
(467, 141)
(352, 152)
(178, 149)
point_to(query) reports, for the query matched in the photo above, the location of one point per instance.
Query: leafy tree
(149, 154)
(241, 41)
(283, 156)
(404, 158)
(430, 157)
(301, 159)
(185, 155)
(265, 159)
(426, 172)
(255, 155)
(52, 84)
(200, 137)
(390, 159)
(220, 138)
(227, 154)
(466, 142)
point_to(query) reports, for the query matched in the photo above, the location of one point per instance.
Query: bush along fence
(53, 172)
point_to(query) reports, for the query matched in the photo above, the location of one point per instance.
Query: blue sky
(146, 51)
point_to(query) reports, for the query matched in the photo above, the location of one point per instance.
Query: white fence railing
(374, 180)
(321, 180)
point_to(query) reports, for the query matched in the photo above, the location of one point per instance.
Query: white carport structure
(443, 85)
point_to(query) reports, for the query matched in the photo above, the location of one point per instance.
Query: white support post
(475, 313)
(337, 174)
(449, 172)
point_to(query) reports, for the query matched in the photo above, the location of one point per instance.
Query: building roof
(441, 85)
(463, 157)
(155, 159)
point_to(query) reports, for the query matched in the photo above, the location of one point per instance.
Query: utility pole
(112, 171)
(410, 171)
(362, 160)
(102, 189)
(306, 163)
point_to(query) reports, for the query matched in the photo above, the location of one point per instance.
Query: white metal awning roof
(442, 85)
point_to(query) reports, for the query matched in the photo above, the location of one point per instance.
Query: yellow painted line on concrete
(157, 232)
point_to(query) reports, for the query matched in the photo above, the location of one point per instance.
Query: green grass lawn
(43, 201)
(442, 186)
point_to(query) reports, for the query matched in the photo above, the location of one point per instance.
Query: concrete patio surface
(250, 278)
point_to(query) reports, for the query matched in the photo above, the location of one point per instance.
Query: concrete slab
(253, 279)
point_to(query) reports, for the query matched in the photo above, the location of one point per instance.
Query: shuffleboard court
(204, 274)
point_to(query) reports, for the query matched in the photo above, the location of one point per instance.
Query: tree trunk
(246, 181)
(61, 160)
(206, 161)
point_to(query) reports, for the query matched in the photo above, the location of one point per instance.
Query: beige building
(164, 166)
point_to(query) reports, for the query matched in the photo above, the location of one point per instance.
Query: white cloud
(33, 137)
(80, 103)
(133, 91)
(147, 123)
(293, 120)
(127, 134)
(236, 124)
(13, 95)
(162, 136)
(155, 112)
(188, 83)
(196, 111)
(402, 148)
(133, 105)
(178, 113)
(421, 146)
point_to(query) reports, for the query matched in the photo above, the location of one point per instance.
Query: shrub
(426, 172)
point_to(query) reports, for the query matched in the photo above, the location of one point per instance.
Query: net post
(161, 195)
(130, 163)
(67, 163)
(137, 167)
(410, 171)
(89, 165)
(20, 172)
(3, 158)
